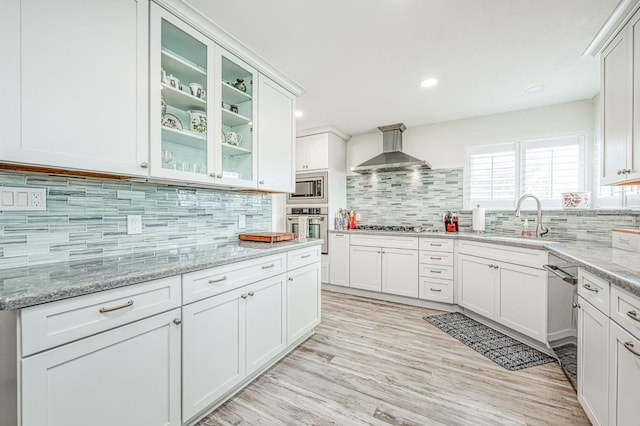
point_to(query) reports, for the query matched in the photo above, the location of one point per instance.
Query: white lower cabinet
(126, 376)
(624, 376)
(400, 272)
(365, 268)
(228, 337)
(339, 259)
(303, 301)
(512, 295)
(593, 354)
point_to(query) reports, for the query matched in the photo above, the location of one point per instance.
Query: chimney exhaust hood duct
(392, 158)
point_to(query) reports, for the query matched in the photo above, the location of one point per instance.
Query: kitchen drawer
(442, 272)
(436, 290)
(436, 258)
(436, 244)
(625, 310)
(510, 254)
(210, 282)
(56, 323)
(303, 257)
(410, 243)
(595, 290)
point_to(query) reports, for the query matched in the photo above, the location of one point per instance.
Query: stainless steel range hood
(392, 158)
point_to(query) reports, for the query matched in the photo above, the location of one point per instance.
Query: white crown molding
(319, 130)
(185, 11)
(612, 26)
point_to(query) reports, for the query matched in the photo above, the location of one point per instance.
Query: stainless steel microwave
(311, 188)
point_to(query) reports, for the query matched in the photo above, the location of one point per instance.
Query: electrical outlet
(358, 217)
(134, 224)
(242, 221)
(22, 199)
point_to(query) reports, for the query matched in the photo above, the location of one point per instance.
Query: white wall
(443, 144)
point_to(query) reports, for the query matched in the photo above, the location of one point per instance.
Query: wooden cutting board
(268, 237)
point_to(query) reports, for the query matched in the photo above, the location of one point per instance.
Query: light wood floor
(379, 363)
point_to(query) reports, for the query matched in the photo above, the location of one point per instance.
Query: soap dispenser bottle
(525, 229)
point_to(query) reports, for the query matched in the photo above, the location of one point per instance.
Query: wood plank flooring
(378, 363)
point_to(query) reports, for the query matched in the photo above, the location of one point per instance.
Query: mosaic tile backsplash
(413, 198)
(87, 218)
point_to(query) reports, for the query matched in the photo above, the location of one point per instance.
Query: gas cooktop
(395, 228)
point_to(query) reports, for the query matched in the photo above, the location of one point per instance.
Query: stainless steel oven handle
(561, 273)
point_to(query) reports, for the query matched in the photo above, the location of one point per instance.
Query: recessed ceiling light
(429, 82)
(298, 114)
(535, 88)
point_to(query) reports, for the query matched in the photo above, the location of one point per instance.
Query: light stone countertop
(23, 287)
(620, 267)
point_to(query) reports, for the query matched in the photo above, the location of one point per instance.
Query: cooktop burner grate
(396, 228)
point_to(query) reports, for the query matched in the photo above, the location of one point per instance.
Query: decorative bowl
(576, 200)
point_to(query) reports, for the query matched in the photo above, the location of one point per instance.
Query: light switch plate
(242, 221)
(134, 224)
(22, 199)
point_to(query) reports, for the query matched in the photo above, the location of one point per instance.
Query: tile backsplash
(87, 218)
(421, 197)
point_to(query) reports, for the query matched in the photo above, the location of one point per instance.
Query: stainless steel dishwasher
(562, 316)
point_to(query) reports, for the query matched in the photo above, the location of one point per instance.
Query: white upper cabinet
(620, 97)
(76, 84)
(276, 137)
(312, 152)
(181, 60)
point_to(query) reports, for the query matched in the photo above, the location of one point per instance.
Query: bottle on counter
(526, 232)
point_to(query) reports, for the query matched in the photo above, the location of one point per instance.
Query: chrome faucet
(540, 231)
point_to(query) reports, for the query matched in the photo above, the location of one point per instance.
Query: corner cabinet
(620, 97)
(74, 98)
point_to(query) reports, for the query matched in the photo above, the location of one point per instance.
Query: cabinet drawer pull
(290, 278)
(619, 172)
(251, 293)
(269, 266)
(629, 346)
(435, 258)
(177, 321)
(588, 287)
(434, 271)
(244, 296)
(435, 244)
(633, 315)
(305, 256)
(437, 290)
(490, 265)
(217, 280)
(495, 266)
(126, 305)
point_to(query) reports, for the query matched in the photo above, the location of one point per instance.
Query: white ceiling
(362, 61)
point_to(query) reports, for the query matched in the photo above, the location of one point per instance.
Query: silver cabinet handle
(219, 176)
(144, 165)
(490, 265)
(435, 245)
(261, 182)
(268, 266)
(633, 315)
(126, 305)
(217, 280)
(378, 251)
(244, 296)
(435, 258)
(212, 174)
(251, 293)
(575, 305)
(338, 235)
(435, 272)
(290, 278)
(588, 287)
(177, 321)
(629, 346)
(495, 266)
(619, 172)
(305, 256)
(437, 290)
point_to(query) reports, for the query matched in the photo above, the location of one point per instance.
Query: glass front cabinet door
(181, 63)
(237, 160)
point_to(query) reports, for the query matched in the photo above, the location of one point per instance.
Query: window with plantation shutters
(497, 175)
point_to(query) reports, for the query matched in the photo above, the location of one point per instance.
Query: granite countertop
(23, 287)
(620, 267)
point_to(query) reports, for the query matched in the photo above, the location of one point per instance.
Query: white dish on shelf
(171, 121)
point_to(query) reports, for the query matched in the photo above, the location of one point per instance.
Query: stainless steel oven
(311, 188)
(318, 223)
